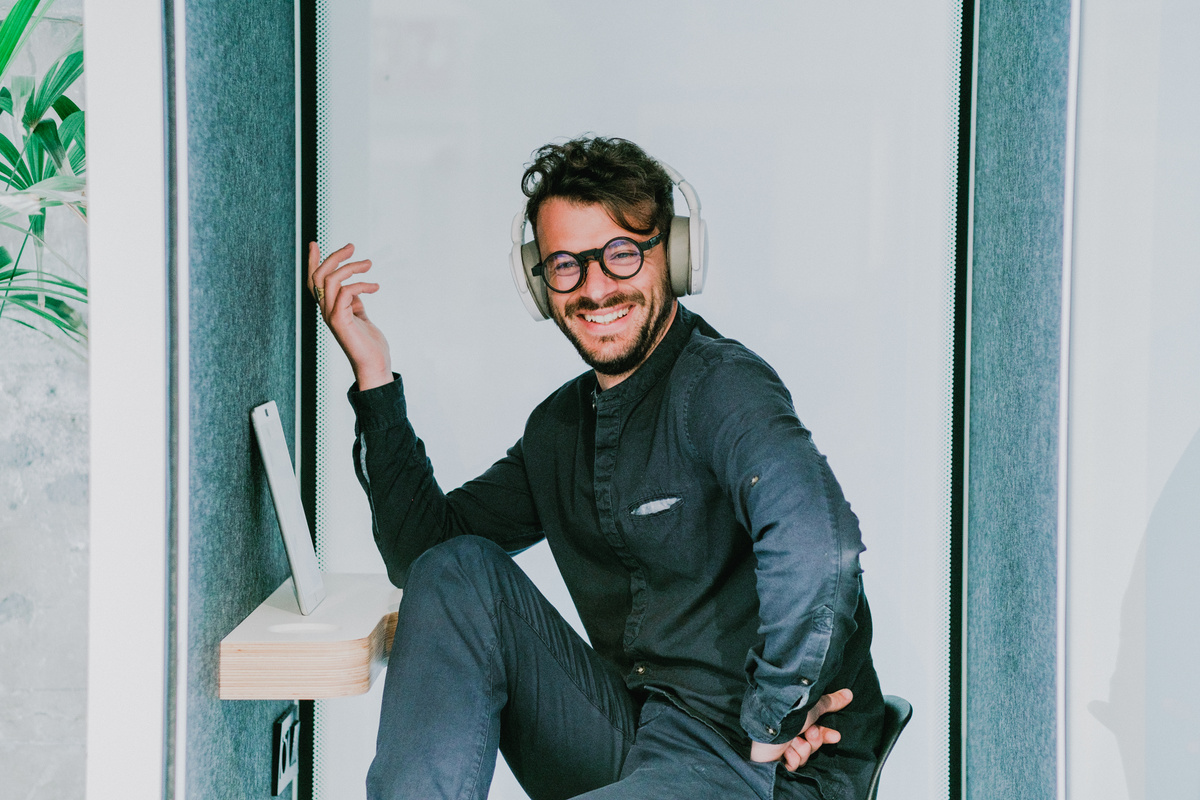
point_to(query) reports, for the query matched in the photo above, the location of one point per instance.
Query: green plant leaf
(18, 273)
(22, 88)
(7, 175)
(25, 33)
(56, 190)
(28, 280)
(63, 106)
(35, 290)
(62, 73)
(71, 129)
(10, 153)
(57, 312)
(72, 134)
(13, 30)
(47, 135)
(6, 221)
(35, 157)
(40, 167)
(45, 296)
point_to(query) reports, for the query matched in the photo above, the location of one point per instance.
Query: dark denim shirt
(702, 536)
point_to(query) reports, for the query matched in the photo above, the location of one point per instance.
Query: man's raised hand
(342, 310)
(797, 752)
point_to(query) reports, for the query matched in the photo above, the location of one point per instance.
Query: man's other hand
(797, 752)
(342, 309)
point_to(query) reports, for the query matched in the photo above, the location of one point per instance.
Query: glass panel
(821, 139)
(1133, 656)
(45, 417)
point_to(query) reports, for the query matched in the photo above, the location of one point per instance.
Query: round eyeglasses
(620, 259)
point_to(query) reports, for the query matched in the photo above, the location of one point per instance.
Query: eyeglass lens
(621, 258)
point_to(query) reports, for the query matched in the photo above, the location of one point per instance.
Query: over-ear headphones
(687, 254)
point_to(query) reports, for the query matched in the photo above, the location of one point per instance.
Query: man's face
(614, 324)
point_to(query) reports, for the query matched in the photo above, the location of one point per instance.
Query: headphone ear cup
(529, 259)
(699, 259)
(679, 262)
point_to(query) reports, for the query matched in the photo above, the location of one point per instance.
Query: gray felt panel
(1015, 328)
(241, 196)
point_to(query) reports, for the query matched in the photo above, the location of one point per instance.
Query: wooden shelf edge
(279, 654)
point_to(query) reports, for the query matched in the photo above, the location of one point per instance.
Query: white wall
(821, 140)
(1133, 655)
(127, 647)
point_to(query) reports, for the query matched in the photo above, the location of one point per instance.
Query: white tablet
(306, 575)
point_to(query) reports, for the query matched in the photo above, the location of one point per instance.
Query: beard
(644, 339)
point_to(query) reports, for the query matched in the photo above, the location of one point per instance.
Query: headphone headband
(687, 253)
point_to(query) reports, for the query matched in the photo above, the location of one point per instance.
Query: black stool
(896, 714)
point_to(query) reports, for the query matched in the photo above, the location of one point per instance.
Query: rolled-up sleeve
(805, 538)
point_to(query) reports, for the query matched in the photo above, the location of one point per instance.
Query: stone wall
(43, 565)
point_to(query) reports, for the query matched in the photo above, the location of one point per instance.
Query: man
(704, 540)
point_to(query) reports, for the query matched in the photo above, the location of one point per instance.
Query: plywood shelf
(337, 651)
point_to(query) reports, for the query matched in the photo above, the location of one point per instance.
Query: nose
(597, 283)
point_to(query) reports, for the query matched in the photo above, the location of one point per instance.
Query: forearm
(409, 511)
(807, 543)
(390, 463)
(806, 540)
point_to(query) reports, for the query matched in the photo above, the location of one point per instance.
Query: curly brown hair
(633, 188)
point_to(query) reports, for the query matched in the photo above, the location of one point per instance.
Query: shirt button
(805, 682)
(640, 669)
(754, 480)
(771, 731)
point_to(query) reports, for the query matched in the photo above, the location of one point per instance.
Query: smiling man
(619, 313)
(706, 544)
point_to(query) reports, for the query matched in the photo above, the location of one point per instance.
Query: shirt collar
(661, 359)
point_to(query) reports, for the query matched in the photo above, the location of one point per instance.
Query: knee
(463, 559)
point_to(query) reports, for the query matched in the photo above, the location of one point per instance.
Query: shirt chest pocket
(656, 506)
(662, 529)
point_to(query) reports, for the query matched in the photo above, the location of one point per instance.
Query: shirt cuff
(770, 727)
(380, 408)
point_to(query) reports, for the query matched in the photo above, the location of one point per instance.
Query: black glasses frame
(595, 254)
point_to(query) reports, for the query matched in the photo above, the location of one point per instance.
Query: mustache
(581, 304)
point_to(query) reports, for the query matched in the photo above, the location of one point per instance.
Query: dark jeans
(482, 661)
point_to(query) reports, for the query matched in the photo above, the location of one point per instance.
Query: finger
(347, 297)
(331, 281)
(763, 753)
(344, 271)
(797, 753)
(315, 262)
(828, 703)
(818, 735)
(331, 262)
(314, 259)
(835, 701)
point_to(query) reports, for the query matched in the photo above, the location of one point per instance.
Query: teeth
(606, 318)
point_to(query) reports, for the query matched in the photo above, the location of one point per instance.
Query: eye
(562, 264)
(622, 251)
